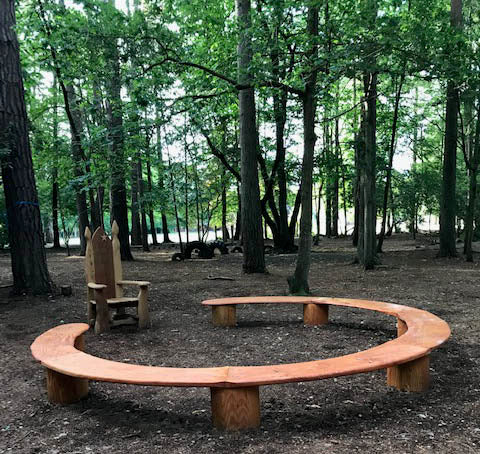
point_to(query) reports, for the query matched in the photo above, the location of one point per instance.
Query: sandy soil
(344, 415)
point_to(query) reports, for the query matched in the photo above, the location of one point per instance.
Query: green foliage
(178, 71)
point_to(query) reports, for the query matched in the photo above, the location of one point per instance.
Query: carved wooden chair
(103, 270)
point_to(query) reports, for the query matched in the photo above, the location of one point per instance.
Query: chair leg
(102, 322)
(142, 309)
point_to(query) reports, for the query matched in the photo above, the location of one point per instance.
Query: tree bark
(136, 232)
(251, 217)
(29, 264)
(161, 187)
(390, 163)
(447, 205)
(117, 159)
(369, 201)
(298, 283)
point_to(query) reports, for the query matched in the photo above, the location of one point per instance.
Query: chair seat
(123, 301)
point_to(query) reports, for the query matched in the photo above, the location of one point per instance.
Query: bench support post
(315, 314)
(64, 389)
(224, 315)
(412, 376)
(236, 408)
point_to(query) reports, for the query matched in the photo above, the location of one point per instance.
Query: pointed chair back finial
(117, 260)
(89, 265)
(103, 261)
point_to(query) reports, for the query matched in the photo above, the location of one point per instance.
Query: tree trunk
(55, 188)
(336, 178)
(29, 265)
(143, 213)
(390, 163)
(472, 144)
(447, 206)
(253, 250)
(161, 187)
(298, 283)
(370, 209)
(117, 159)
(151, 216)
(136, 232)
(225, 234)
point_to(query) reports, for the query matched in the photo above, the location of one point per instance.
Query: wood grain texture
(315, 314)
(402, 327)
(224, 315)
(413, 376)
(103, 262)
(235, 408)
(90, 277)
(117, 261)
(142, 310)
(63, 389)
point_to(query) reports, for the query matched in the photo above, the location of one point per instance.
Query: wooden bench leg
(412, 376)
(315, 314)
(401, 327)
(224, 315)
(236, 408)
(63, 389)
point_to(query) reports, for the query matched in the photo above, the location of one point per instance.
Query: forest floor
(343, 415)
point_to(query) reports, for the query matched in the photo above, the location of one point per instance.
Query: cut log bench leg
(315, 314)
(224, 315)
(64, 389)
(236, 408)
(413, 376)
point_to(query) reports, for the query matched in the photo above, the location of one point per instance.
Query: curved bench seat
(406, 358)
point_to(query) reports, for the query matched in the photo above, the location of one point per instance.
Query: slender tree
(448, 246)
(252, 232)
(298, 283)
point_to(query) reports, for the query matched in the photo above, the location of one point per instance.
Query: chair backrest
(102, 260)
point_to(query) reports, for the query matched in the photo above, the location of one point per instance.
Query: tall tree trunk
(253, 250)
(336, 178)
(225, 234)
(238, 223)
(369, 220)
(360, 196)
(172, 187)
(136, 232)
(117, 158)
(76, 131)
(391, 152)
(298, 283)
(151, 216)
(161, 186)
(370, 209)
(55, 188)
(471, 148)
(143, 213)
(55, 193)
(29, 264)
(185, 187)
(447, 206)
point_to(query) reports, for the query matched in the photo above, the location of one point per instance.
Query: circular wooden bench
(235, 390)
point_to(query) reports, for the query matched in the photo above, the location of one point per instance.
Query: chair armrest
(94, 286)
(138, 283)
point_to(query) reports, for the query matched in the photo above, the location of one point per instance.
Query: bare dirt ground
(344, 415)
